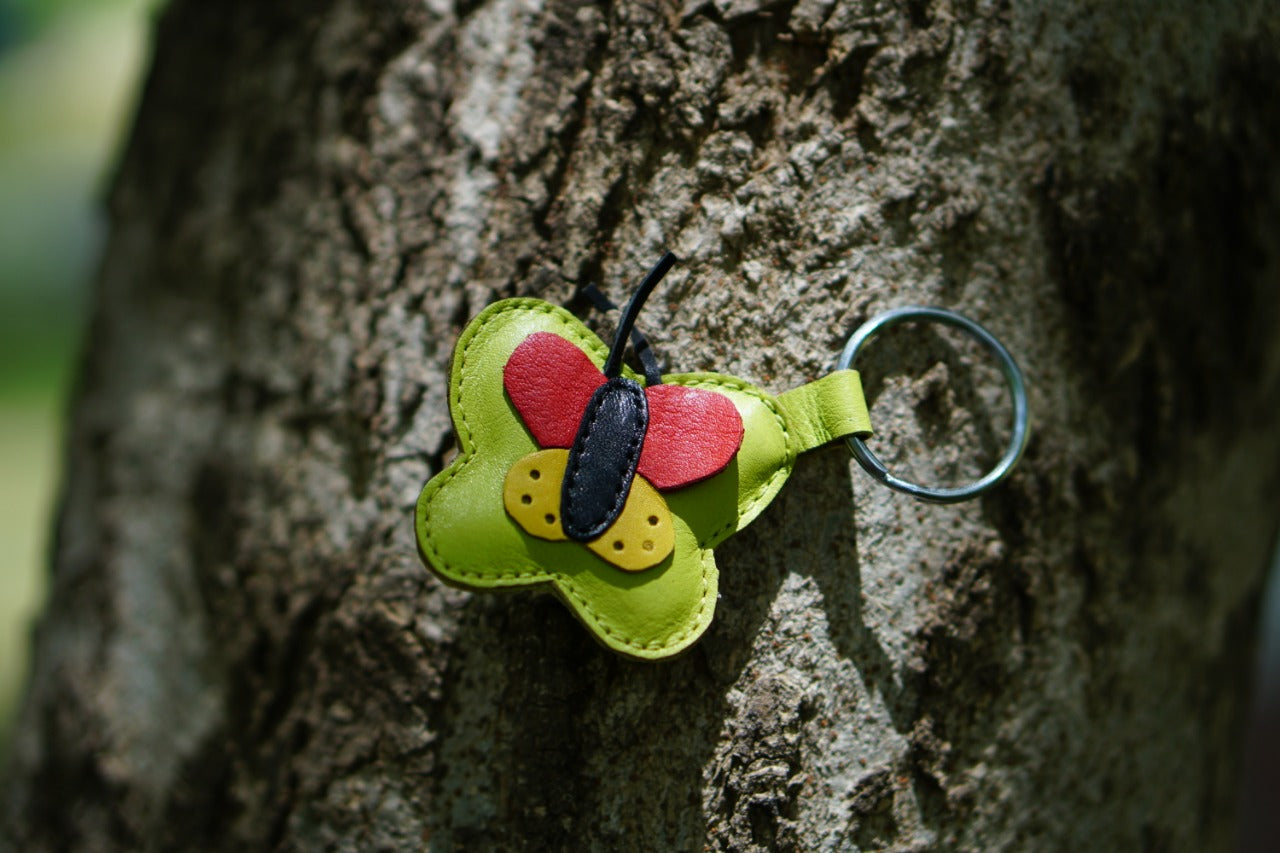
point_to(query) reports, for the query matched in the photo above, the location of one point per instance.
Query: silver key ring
(1012, 375)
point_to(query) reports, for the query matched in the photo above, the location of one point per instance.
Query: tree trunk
(242, 648)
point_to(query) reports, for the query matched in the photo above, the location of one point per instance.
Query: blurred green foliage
(67, 74)
(69, 70)
(38, 13)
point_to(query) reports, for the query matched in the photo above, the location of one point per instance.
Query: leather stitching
(559, 581)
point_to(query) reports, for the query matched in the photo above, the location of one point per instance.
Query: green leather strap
(825, 410)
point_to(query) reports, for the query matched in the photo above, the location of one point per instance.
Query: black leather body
(603, 459)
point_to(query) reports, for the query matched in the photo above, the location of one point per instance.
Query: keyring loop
(1012, 375)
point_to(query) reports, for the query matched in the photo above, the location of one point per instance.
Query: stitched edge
(558, 580)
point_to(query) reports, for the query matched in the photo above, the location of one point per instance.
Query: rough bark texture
(242, 648)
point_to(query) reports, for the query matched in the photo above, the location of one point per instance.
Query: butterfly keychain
(612, 488)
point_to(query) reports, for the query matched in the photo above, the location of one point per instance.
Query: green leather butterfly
(640, 573)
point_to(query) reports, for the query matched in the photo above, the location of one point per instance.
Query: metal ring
(1012, 375)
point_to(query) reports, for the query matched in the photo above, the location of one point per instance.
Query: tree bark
(242, 649)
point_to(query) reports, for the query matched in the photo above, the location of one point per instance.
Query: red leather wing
(550, 381)
(693, 434)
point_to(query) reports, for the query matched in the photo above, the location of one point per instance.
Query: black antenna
(613, 367)
(639, 343)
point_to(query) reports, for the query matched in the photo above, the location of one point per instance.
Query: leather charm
(578, 475)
